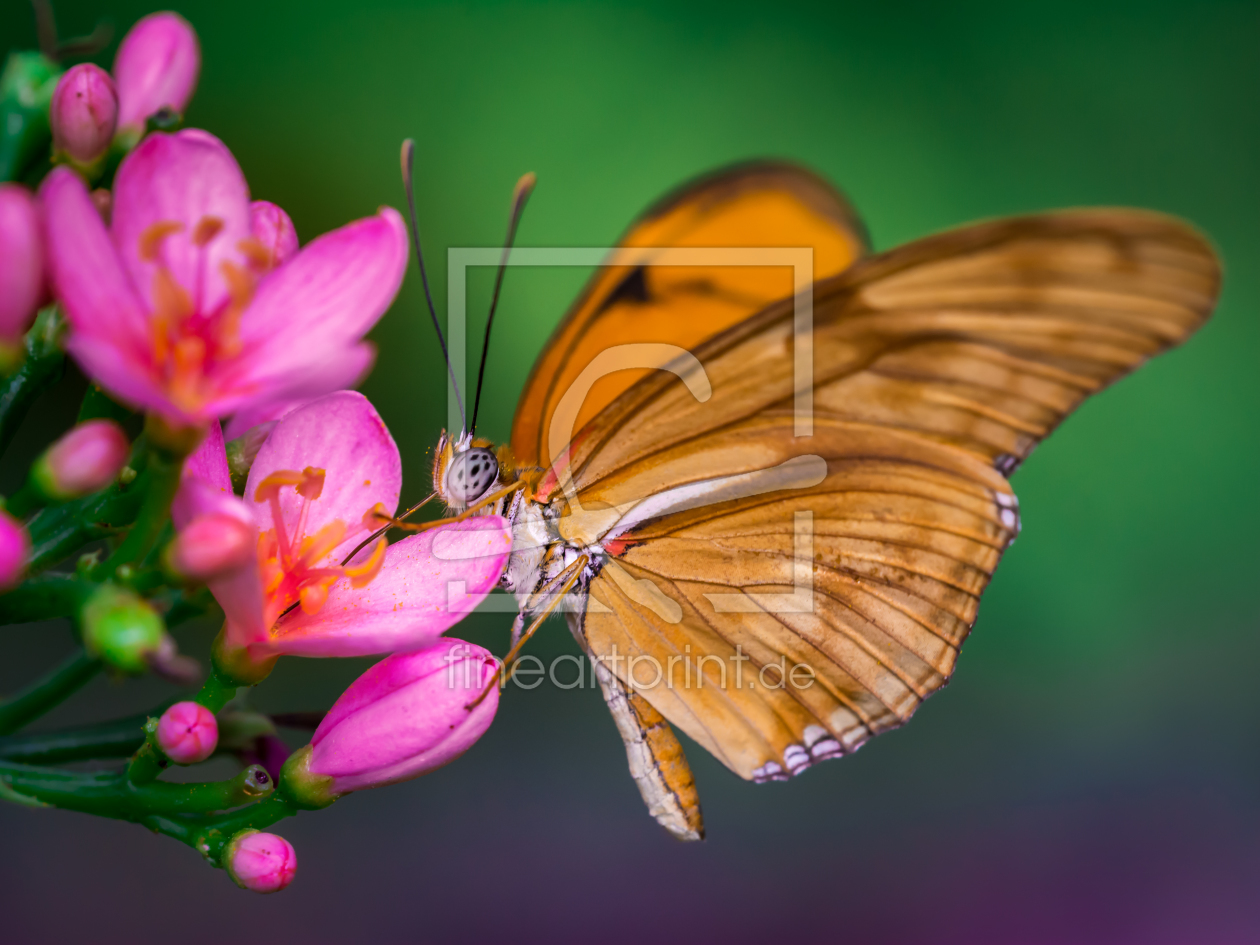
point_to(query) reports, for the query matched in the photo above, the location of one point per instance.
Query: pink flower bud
(15, 546)
(405, 716)
(274, 231)
(211, 546)
(83, 461)
(262, 862)
(157, 66)
(21, 261)
(187, 733)
(84, 112)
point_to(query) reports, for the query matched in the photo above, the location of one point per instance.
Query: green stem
(113, 796)
(25, 501)
(59, 531)
(209, 835)
(46, 693)
(114, 739)
(41, 367)
(44, 597)
(163, 469)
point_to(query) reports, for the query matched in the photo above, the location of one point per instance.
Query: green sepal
(302, 788)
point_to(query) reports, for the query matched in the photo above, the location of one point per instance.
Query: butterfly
(771, 502)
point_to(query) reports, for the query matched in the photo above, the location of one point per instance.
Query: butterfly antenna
(408, 158)
(524, 187)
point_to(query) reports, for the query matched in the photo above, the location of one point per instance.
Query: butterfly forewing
(754, 205)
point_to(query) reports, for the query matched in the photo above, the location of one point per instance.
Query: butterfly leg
(569, 577)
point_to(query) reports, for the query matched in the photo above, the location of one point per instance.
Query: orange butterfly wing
(760, 204)
(938, 366)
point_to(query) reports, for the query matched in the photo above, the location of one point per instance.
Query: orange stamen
(312, 484)
(258, 255)
(153, 235)
(361, 575)
(271, 486)
(207, 229)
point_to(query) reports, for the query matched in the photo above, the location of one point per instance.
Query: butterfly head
(465, 470)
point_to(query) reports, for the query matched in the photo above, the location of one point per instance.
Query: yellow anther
(171, 301)
(153, 235)
(312, 483)
(255, 253)
(313, 595)
(315, 548)
(207, 229)
(375, 517)
(270, 487)
(361, 575)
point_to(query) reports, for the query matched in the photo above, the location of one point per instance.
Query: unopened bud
(121, 629)
(187, 733)
(262, 862)
(273, 232)
(83, 461)
(15, 547)
(156, 67)
(21, 264)
(406, 716)
(211, 546)
(84, 113)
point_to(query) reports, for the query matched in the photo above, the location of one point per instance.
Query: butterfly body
(774, 534)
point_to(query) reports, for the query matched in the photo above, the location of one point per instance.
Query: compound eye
(471, 475)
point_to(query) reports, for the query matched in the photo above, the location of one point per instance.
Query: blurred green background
(1091, 775)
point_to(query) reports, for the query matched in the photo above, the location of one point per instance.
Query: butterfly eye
(471, 475)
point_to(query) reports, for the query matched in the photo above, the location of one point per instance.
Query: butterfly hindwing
(937, 367)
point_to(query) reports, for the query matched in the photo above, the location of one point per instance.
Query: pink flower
(82, 461)
(21, 262)
(175, 309)
(157, 65)
(84, 113)
(187, 733)
(405, 716)
(261, 862)
(15, 546)
(313, 494)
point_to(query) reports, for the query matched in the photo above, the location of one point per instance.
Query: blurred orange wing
(938, 367)
(629, 299)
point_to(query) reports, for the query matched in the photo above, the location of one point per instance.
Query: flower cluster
(134, 246)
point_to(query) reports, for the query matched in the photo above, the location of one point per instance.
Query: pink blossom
(21, 262)
(84, 113)
(314, 494)
(157, 65)
(406, 716)
(187, 733)
(82, 461)
(15, 547)
(261, 862)
(170, 309)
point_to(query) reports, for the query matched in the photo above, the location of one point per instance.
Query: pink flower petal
(89, 278)
(185, 178)
(340, 369)
(323, 299)
(343, 435)
(415, 598)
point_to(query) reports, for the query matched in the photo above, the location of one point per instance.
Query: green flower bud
(121, 629)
